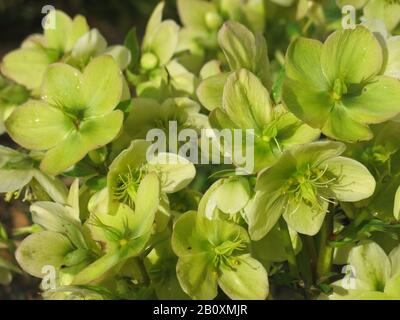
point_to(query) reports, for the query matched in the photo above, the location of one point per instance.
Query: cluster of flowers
(116, 224)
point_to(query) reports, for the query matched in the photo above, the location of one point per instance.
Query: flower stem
(287, 243)
(325, 256)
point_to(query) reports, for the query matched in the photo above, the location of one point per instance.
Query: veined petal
(101, 86)
(62, 87)
(38, 126)
(378, 101)
(341, 125)
(371, 266)
(26, 66)
(306, 219)
(353, 183)
(246, 280)
(352, 56)
(210, 91)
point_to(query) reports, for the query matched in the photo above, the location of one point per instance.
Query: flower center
(223, 252)
(127, 185)
(339, 89)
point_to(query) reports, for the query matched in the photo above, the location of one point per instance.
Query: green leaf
(353, 56)
(353, 180)
(45, 248)
(246, 100)
(131, 42)
(247, 280)
(101, 86)
(38, 126)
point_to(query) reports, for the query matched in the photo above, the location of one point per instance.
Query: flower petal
(246, 280)
(354, 182)
(101, 86)
(352, 56)
(38, 126)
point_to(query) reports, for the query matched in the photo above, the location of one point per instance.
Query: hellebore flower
(132, 165)
(337, 86)
(28, 64)
(372, 275)
(301, 185)
(61, 244)
(243, 50)
(216, 252)
(124, 234)
(247, 105)
(19, 173)
(75, 115)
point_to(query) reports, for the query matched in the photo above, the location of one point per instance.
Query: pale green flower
(215, 253)
(372, 275)
(338, 88)
(76, 114)
(301, 185)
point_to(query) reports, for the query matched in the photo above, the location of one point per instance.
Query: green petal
(243, 49)
(342, 126)
(394, 257)
(13, 180)
(53, 186)
(163, 41)
(57, 36)
(358, 4)
(45, 248)
(383, 10)
(393, 62)
(396, 207)
(62, 87)
(174, 171)
(120, 54)
(352, 56)
(101, 86)
(154, 21)
(305, 219)
(246, 280)
(146, 204)
(246, 101)
(305, 90)
(38, 126)
(65, 154)
(371, 266)
(193, 12)
(99, 131)
(263, 213)
(378, 101)
(392, 288)
(316, 152)
(197, 277)
(27, 66)
(354, 182)
(233, 195)
(79, 28)
(210, 91)
(90, 44)
(184, 240)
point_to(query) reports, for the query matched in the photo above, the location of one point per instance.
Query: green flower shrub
(249, 151)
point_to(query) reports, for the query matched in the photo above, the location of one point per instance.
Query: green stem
(309, 246)
(287, 243)
(325, 256)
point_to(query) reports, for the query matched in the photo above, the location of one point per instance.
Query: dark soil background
(20, 18)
